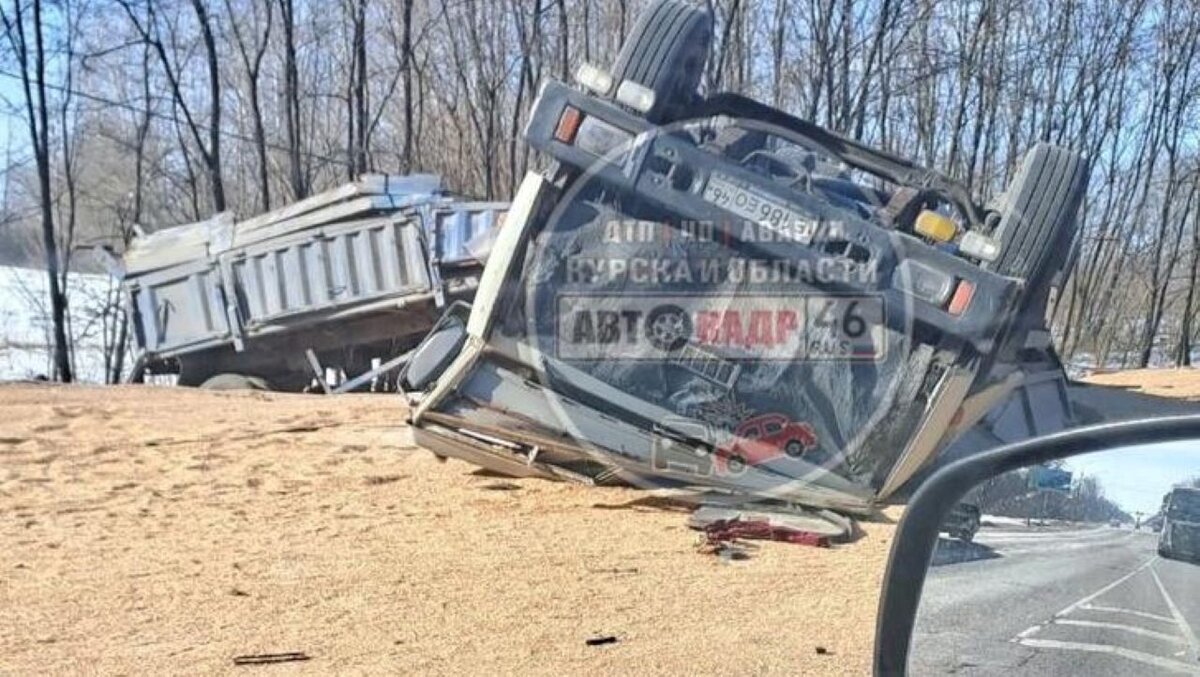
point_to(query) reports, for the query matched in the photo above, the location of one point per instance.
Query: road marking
(1183, 624)
(1106, 588)
(1075, 605)
(1132, 612)
(1176, 639)
(1148, 659)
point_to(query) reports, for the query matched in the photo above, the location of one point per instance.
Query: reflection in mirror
(1087, 566)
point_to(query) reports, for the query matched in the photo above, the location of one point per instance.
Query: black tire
(222, 382)
(794, 448)
(667, 51)
(1038, 224)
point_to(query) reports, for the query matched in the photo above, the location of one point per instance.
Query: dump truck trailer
(703, 293)
(348, 279)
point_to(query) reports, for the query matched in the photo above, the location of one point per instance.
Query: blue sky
(1137, 477)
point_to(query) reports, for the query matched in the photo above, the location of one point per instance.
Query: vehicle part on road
(822, 523)
(269, 658)
(725, 531)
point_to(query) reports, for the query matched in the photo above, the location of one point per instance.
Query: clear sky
(1137, 477)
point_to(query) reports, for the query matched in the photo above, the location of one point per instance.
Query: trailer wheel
(1038, 223)
(666, 52)
(235, 382)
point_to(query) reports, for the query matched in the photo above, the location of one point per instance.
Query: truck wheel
(667, 51)
(1038, 224)
(235, 382)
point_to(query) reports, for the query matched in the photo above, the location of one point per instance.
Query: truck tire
(235, 382)
(1038, 224)
(666, 52)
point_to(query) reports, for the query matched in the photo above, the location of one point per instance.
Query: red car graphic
(762, 438)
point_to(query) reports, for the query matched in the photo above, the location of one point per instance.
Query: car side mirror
(1077, 552)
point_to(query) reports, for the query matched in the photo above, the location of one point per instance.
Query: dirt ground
(151, 530)
(1173, 383)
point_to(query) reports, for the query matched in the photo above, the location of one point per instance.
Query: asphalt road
(1094, 602)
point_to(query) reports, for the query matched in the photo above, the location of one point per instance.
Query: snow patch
(26, 329)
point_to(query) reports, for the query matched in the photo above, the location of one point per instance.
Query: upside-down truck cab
(679, 272)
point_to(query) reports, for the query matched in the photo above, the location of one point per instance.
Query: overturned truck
(350, 279)
(705, 293)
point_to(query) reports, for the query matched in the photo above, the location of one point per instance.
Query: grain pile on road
(156, 530)
(1183, 384)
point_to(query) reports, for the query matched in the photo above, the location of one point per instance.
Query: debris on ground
(795, 525)
(736, 530)
(269, 658)
(171, 550)
(601, 640)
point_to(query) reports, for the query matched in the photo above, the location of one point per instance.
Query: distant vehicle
(1180, 535)
(1114, 523)
(962, 522)
(766, 437)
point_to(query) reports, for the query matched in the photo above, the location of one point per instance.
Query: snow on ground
(26, 330)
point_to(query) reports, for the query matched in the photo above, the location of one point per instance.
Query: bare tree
(20, 19)
(252, 53)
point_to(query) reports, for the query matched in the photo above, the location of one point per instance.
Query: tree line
(149, 113)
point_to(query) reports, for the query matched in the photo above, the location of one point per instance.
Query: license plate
(756, 206)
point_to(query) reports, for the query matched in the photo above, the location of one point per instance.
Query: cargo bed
(357, 275)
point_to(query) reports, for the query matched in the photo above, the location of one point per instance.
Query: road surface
(1095, 601)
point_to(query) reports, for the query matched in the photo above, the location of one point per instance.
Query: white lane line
(1148, 659)
(1033, 629)
(1183, 624)
(1131, 612)
(1106, 588)
(1132, 629)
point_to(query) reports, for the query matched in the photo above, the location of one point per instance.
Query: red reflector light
(568, 125)
(961, 299)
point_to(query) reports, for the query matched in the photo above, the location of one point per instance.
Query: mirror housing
(917, 532)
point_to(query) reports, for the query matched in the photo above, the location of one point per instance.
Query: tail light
(963, 293)
(568, 125)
